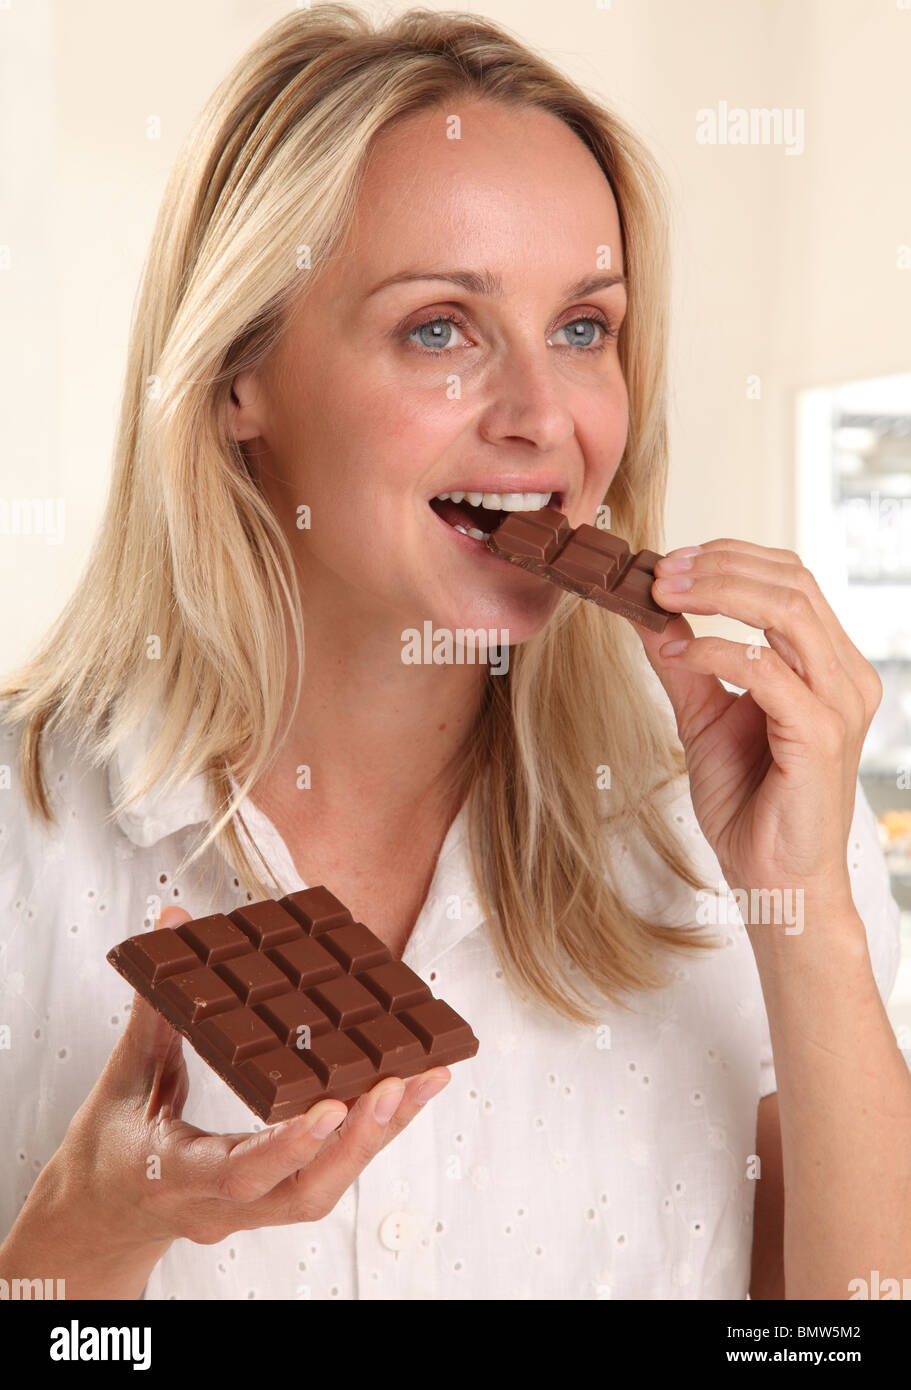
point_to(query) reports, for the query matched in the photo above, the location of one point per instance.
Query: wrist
(91, 1229)
(786, 906)
(826, 942)
(63, 1239)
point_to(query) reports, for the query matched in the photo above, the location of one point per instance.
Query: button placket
(392, 1250)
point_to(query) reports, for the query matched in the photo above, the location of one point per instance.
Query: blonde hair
(189, 551)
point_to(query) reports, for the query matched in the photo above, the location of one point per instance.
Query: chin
(516, 621)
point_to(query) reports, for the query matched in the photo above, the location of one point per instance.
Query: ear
(244, 412)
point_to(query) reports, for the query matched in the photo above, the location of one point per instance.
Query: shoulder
(37, 855)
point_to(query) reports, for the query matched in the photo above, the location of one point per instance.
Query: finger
(259, 1163)
(796, 721)
(173, 1087)
(364, 1134)
(698, 698)
(674, 576)
(855, 663)
(172, 916)
(234, 1166)
(350, 1149)
(244, 1167)
(763, 552)
(717, 584)
(269, 1173)
(317, 1189)
(418, 1091)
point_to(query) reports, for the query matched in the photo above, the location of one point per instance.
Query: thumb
(697, 697)
(149, 1046)
(172, 917)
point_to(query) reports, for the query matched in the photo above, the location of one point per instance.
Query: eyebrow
(487, 283)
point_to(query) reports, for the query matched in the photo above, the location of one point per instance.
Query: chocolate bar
(595, 564)
(292, 1002)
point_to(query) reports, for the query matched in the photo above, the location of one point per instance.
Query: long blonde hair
(190, 556)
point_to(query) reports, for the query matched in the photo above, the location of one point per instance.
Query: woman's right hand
(131, 1175)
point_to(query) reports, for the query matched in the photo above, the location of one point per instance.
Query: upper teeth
(500, 501)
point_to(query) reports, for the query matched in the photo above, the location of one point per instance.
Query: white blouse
(561, 1162)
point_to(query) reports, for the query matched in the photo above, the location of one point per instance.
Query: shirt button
(398, 1231)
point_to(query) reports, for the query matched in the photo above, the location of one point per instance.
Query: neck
(373, 731)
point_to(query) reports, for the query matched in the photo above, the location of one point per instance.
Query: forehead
(517, 187)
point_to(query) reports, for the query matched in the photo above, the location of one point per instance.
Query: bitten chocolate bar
(594, 564)
(292, 1002)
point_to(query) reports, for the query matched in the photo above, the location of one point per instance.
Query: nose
(528, 402)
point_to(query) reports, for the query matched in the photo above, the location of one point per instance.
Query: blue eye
(608, 331)
(586, 326)
(438, 331)
(435, 332)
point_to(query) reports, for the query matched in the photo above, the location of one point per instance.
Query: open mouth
(477, 514)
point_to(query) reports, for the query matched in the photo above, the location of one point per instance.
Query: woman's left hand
(772, 771)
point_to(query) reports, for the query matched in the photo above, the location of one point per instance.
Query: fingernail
(674, 648)
(327, 1123)
(388, 1103)
(171, 916)
(684, 550)
(429, 1089)
(674, 585)
(674, 564)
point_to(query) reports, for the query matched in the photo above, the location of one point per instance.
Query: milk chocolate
(595, 564)
(292, 1002)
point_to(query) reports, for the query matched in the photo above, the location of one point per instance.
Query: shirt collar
(451, 910)
(161, 810)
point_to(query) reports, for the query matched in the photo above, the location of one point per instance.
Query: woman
(405, 279)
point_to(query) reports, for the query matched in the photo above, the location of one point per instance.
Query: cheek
(418, 418)
(612, 435)
(602, 434)
(617, 408)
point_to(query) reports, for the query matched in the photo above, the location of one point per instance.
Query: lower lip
(479, 549)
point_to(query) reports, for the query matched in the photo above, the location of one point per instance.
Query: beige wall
(785, 265)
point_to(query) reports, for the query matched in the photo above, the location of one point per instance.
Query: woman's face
(374, 404)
